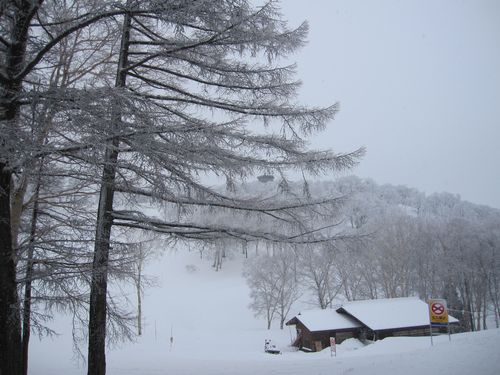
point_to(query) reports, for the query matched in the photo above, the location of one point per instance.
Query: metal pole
(430, 330)
(171, 337)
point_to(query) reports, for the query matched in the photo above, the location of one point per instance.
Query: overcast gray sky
(419, 85)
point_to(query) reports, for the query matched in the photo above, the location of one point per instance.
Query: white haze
(419, 86)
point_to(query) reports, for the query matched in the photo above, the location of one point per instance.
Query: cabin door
(318, 346)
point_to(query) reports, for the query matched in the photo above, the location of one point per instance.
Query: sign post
(333, 347)
(438, 315)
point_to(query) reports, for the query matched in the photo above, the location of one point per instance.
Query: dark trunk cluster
(10, 325)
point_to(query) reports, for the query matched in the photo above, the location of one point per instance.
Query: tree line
(401, 243)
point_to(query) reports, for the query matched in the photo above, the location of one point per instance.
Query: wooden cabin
(387, 317)
(365, 320)
(315, 327)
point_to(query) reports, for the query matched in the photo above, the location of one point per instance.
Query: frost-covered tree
(263, 284)
(177, 64)
(273, 283)
(412, 244)
(316, 270)
(28, 36)
(51, 210)
(288, 291)
(193, 81)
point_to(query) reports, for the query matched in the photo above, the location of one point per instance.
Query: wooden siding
(316, 341)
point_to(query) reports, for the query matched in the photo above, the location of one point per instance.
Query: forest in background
(398, 242)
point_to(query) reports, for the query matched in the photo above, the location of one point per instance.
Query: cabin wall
(317, 341)
(342, 336)
(412, 332)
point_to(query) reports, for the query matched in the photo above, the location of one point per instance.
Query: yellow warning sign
(438, 312)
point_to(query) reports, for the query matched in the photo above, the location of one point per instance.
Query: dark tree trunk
(29, 274)
(99, 282)
(468, 304)
(139, 299)
(10, 328)
(10, 87)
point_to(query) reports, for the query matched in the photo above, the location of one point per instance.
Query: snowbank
(215, 334)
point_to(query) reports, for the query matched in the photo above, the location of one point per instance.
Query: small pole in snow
(171, 337)
(449, 332)
(333, 347)
(430, 330)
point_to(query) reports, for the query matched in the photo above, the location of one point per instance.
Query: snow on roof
(326, 320)
(390, 313)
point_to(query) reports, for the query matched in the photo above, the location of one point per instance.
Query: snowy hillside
(215, 333)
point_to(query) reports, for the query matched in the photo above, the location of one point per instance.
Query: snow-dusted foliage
(272, 278)
(393, 241)
(146, 99)
(436, 245)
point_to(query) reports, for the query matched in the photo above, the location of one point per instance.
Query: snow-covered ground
(214, 333)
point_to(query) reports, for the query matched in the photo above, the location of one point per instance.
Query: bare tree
(263, 284)
(23, 46)
(273, 284)
(154, 132)
(317, 271)
(142, 250)
(170, 81)
(285, 266)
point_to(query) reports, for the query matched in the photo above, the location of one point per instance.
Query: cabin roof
(390, 313)
(324, 320)
(377, 315)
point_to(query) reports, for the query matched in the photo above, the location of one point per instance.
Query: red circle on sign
(437, 308)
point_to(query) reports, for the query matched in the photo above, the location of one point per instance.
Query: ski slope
(214, 333)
